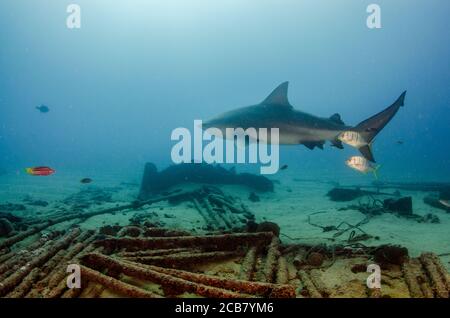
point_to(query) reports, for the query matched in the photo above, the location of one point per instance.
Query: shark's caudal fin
(370, 127)
(366, 151)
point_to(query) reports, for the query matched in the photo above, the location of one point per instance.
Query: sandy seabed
(290, 205)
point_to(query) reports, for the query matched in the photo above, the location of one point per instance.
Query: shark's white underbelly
(287, 136)
(299, 136)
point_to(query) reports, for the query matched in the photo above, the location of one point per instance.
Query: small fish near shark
(362, 165)
(299, 128)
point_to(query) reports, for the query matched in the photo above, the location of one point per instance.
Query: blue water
(135, 70)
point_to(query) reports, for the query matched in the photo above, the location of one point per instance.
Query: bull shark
(300, 128)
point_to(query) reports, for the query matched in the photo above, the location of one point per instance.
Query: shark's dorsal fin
(279, 96)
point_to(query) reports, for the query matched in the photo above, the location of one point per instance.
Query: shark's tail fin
(370, 127)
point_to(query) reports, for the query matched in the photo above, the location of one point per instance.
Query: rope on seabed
(329, 228)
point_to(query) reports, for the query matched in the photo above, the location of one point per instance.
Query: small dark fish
(43, 109)
(399, 142)
(86, 180)
(283, 167)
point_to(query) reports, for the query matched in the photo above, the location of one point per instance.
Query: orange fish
(40, 171)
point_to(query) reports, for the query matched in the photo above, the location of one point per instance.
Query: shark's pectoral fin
(312, 145)
(366, 151)
(337, 143)
(279, 96)
(337, 119)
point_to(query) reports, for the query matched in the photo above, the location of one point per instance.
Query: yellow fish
(363, 165)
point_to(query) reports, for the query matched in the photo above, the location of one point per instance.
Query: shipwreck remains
(233, 257)
(343, 194)
(158, 262)
(154, 182)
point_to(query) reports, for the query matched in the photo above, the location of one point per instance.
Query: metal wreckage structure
(234, 259)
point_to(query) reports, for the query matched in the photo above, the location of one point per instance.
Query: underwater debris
(397, 193)
(440, 283)
(426, 277)
(5, 227)
(344, 227)
(145, 217)
(10, 217)
(312, 284)
(402, 206)
(225, 241)
(13, 280)
(273, 255)
(435, 201)
(180, 281)
(87, 197)
(307, 257)
(413, 186)
(154, 182)
(12, 207)
(200, 284)
(115, 285)
(146, 259)
(430, 218)
(41, 203)
(152, 231)
(315, 259)
(359, 268)
(30, 201)
(268, 227)
(346, 194)
(247, 270)
(174, 266)
(131, 231)
(110, 230)
(253, 197)
(390, 254)
(218, 210)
